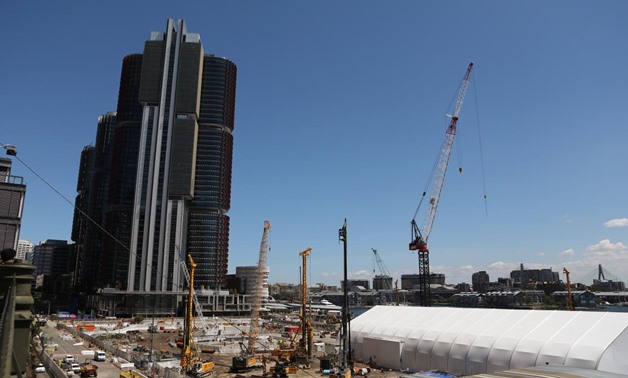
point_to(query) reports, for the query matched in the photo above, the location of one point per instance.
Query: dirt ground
(162, 342)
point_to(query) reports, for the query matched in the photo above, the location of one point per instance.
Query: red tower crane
(420, 237)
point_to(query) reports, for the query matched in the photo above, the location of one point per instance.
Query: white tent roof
(474, 341)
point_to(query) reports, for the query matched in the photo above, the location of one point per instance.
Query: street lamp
(11, 149)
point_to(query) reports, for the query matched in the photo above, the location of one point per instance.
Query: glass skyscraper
(169, 181)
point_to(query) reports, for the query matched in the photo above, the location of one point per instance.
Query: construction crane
(383, 271)
(246, 359)
(191, 362)
(569, 299)
(420, 238)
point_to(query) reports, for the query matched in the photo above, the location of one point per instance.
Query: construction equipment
(396, 293)
(191, 362)
(206, 329)
(569, 299)
(87, 369)
(305, 344)
(287, 355)
(384, 274)
(419, 238)
(247, 360)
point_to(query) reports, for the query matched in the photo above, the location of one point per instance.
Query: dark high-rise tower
(169, 179)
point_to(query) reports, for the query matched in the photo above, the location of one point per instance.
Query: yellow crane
(191, 362)
(569, 299)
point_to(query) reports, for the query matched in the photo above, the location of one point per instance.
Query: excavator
(191, 362)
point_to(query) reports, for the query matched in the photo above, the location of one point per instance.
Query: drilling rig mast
(569, 299)
(420, 237)
(191, 362)
(305, 345)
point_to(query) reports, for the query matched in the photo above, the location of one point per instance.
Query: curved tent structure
(475, 340)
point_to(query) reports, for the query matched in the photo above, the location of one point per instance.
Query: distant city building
(55, 262)
(24, 249)
(159, 177)
(382, 282)
(437, 279)
(478, 280)
(353, 283)
(409, 281)
(534, 275)
(609, 285)
(463, 287)
(53, 257)
(12, 192)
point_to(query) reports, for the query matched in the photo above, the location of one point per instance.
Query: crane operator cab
(418, 245)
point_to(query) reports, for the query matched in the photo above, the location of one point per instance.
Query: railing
(19, 180)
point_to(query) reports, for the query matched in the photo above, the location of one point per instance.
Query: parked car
(40, 369)
(76, 368)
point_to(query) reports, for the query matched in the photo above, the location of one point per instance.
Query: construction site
(394, 341)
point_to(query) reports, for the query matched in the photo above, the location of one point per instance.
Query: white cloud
(541, 254)
(360, 274)
(606, 249)
(620, 222)
(567, 253)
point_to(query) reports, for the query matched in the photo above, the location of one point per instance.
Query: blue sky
(340, 114)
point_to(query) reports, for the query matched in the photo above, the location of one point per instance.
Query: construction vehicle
(287, 356)
(419, 238)
(87, 369)
(247, 360)
(191, 362)
(569, 299)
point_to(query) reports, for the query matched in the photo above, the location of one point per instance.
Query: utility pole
(346, 340)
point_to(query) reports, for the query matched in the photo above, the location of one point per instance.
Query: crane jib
(419, 238)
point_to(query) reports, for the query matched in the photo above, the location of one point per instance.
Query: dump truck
(89, 370)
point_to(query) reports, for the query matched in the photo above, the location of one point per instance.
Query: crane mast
(419, 239)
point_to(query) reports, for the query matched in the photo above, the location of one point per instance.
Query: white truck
(100, 355)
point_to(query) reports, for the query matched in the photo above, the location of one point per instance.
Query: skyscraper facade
(169, 177)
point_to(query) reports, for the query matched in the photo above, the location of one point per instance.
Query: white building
(248, 279)
(474, 341)
(24, 247)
